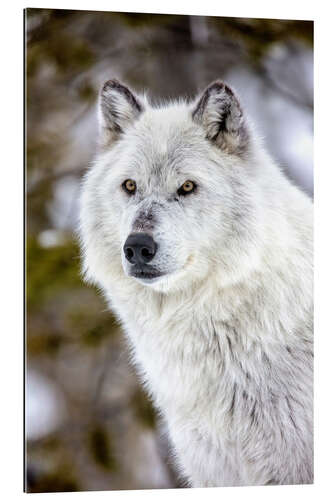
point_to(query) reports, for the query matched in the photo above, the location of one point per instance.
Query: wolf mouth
(145, 273)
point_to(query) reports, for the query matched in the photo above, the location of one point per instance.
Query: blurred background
(89, 426)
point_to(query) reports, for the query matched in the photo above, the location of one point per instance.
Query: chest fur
(208, 366)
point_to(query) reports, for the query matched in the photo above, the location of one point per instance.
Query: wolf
(203, 249)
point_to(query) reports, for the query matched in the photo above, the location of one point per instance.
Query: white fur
(223, 341)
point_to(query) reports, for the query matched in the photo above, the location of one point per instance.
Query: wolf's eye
(129, 186)
(187, 188)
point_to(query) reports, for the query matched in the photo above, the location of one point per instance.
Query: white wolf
(204, 251)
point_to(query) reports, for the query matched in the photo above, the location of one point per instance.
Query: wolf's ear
(219, 113)
(118, 108)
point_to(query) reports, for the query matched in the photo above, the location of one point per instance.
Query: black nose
(139, 248)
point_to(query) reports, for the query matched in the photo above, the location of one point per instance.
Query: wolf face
(169, 196)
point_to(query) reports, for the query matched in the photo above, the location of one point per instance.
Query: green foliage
(144, 410)
(54, 41)
(58, 480)
(61, 308)
(86, 92)
(100, 447)
(256, 36)
(45, 342)
(137, 20)
(50, 270)
(90, 324)
(69, 54)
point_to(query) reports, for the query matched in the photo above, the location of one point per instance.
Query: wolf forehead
(165, 137)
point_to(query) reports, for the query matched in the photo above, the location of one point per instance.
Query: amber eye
(129, 186)
(187, 188)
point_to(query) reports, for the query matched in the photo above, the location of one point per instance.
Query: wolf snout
(140, 248)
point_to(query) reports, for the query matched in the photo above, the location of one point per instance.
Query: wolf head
(172, 194)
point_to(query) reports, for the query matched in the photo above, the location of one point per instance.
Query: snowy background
(89, 426)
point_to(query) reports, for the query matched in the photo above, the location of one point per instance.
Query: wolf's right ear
(118, 108)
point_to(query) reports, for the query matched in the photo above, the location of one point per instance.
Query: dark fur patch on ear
(115, 85)
(214, 88)
(119, 108)
(219, 112)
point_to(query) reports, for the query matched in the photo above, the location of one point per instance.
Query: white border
(11, 209)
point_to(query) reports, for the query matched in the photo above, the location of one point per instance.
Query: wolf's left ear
(119, 107)
(219, 113)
